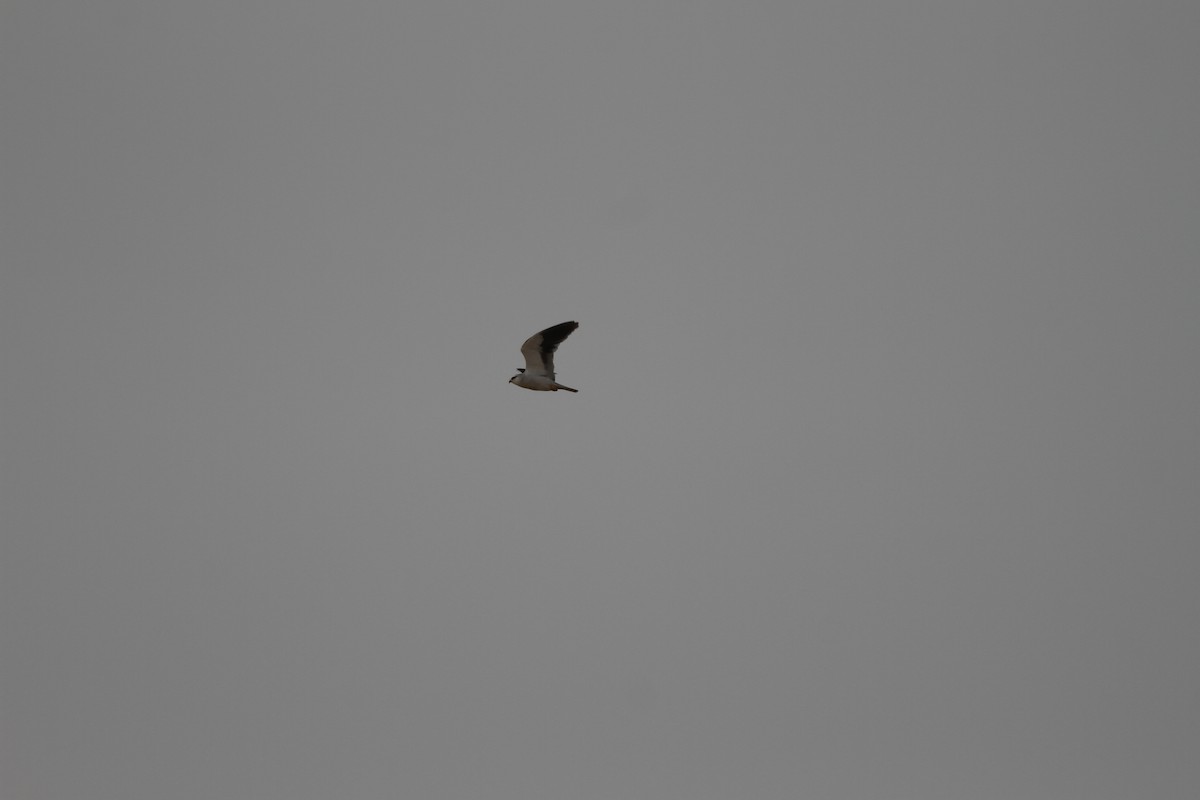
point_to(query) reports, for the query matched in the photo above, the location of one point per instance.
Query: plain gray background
(883, 480)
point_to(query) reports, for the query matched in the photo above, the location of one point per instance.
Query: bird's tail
(558, 386)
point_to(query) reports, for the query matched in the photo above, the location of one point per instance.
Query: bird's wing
(539, 348)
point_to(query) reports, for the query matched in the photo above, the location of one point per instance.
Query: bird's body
(538, 350)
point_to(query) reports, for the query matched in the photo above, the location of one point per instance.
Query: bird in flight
(538, 350)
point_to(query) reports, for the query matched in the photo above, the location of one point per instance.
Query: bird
(538, 350)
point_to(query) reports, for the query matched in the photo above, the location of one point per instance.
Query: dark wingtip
(552, 336)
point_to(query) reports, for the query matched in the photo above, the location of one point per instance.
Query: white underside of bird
(538, 350)
(539, 383)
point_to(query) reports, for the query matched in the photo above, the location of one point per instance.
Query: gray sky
(883, 480)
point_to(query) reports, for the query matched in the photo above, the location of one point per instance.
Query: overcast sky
(883, 477)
